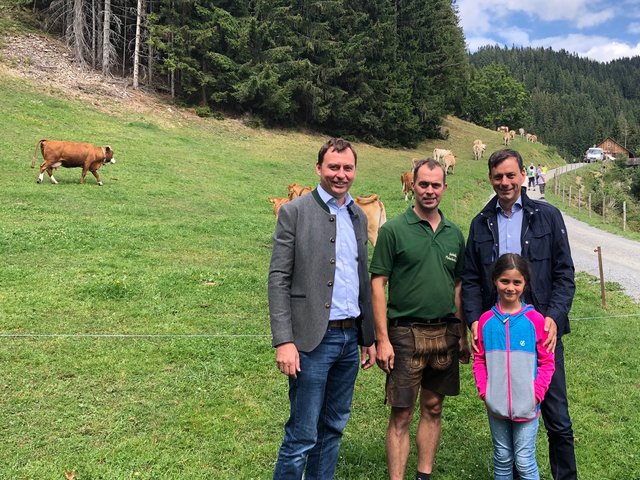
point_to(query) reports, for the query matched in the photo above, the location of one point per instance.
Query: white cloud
(515, 36)
(592, 19)
(482, 16)
(600, 48)
(612, 51)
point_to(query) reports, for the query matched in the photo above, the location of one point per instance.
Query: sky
(601, 30)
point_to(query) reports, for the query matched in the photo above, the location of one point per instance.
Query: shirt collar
(514, 208)
(330, 199)
(412, 217)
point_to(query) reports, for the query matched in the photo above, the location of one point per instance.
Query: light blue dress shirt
(510, 228)
(346, 284)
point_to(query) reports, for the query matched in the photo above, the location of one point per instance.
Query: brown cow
(297, 190)
(407, 182)
(376, 215)
(69, 155)
(277, 203)
(448, 162)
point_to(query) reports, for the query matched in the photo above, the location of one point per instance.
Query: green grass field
(135, 335)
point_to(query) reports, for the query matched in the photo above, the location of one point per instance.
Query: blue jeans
(514, 442)
(320, 401)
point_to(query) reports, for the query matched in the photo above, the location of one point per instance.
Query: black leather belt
(411, 321)
(343, 324)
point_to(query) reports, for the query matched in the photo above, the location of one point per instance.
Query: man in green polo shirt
(419, 332)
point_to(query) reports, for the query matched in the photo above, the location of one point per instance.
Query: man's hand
(367, 356)
(385, 355)
(288, 359)
(474, 337)
(552, 337)
(465, 353)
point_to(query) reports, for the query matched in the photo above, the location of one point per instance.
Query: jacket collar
(503, 317)
(325, 207)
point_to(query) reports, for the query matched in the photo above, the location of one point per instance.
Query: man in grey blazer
(320, 310)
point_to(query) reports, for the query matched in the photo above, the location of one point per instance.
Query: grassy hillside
(134, 315)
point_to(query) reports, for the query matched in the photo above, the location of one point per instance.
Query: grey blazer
(302, 271)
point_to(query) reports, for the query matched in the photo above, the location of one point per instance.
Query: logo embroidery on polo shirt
(522, 343)
(452, 256)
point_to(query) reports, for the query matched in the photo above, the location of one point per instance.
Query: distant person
(420, 337)
(320, 309)
(512, 359)
(514, 223)
(541, 180)
(531, 177)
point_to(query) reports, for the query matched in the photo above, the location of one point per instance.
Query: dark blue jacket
(544, 244)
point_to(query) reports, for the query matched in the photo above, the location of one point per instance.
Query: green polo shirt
(422, 265)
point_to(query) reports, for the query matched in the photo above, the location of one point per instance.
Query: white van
(594, 154)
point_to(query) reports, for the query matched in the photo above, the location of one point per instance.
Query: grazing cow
(71, 154)
(478, 149)
(297, 190)
(439, 153)
(449, 162)
(506, 139)
(521, 131)
(534, 138)
(277, 203)
(376, 215)
(512, 134)
(407, 181)
(503, 129)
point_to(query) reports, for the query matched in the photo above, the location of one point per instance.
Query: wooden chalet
(613, 148)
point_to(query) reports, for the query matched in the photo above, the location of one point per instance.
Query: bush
(203, 111)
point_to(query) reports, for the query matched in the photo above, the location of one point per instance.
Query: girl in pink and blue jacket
(512, 370)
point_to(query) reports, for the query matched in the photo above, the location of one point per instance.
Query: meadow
(134, 321)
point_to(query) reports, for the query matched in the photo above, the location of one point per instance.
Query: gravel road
(620, 256)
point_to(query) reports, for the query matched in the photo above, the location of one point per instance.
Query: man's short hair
(500, 156)
(431, 165)
(337, 144)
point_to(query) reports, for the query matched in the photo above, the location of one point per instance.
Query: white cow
(439, 154)
(478, 149)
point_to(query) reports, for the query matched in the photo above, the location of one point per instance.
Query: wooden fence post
(624, 216)
(579, 199)
(602, 291)
(589, 205)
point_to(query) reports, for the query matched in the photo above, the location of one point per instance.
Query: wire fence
(188, 336)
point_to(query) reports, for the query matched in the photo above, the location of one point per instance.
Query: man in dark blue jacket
(513, 223)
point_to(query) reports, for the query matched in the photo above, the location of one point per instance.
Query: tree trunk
(150, 54)
(68, 21)
(79, 44)
(106, 42)
(136, 50)
(124, 39)
(93, 33)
